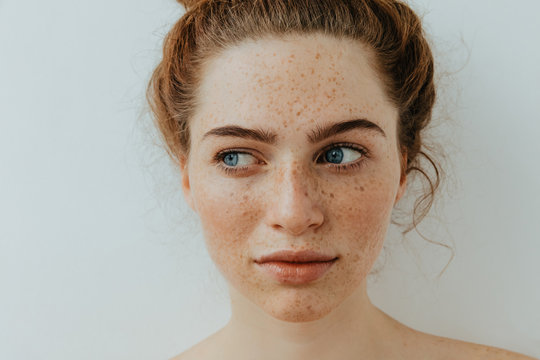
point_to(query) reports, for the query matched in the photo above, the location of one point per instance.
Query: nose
(292, 208)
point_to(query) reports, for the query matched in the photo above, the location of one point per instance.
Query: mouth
(295, 268)
(304, 256)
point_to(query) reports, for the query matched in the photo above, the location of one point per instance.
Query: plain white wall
(100, 257)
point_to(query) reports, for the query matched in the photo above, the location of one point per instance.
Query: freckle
(312, 70)
(332, 195)
(318, 56)
(298, 113)
(361, 188)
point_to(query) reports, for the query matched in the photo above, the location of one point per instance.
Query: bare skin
(288, 195)
(421, 346)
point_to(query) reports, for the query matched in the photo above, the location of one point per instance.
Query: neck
(355, 327)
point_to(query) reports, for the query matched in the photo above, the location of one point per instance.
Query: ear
(403, 178)
(186, 188)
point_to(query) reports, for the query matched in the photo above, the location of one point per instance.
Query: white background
(100, 257)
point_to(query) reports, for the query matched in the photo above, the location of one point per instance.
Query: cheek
(362, 212)
(367, 203)
(228, 216)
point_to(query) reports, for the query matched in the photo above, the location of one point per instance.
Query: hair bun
(188, 4)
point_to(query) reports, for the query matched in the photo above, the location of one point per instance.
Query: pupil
(334, 155)
(231, 157)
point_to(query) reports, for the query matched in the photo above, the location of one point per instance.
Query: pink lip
(295, 256)
(296, 268)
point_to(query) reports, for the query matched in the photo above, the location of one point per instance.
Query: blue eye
(234, 161)
(340, 153)
(339, 157)
(231, 159)
(334, 155)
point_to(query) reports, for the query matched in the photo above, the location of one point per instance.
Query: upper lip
(295, 256)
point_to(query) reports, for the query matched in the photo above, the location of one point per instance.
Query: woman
(295, 125)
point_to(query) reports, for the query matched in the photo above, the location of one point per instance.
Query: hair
(389, 27)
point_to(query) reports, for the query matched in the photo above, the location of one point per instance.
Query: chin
(300, 315)
(297, 307)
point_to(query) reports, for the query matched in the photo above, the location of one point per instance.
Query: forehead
(283, 81)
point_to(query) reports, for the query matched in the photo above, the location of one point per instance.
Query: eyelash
(231, 170)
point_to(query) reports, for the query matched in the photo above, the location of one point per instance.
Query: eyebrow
(317, 135)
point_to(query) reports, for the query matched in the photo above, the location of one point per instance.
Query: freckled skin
(287, 200)
(293, 202)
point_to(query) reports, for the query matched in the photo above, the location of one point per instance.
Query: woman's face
(296, 186)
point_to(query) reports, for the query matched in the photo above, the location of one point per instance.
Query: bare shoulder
(206, 349)
(485, 352)
(446, 348)
(190, 354)
(198, 351)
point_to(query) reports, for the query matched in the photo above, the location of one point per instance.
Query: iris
(233, 157)
(336, 154)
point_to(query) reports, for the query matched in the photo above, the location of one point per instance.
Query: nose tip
(294, 209)
(298, 229)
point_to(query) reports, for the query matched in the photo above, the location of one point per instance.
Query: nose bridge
(295, 209)
(292, 182)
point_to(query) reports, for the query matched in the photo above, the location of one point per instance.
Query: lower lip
(296, 273)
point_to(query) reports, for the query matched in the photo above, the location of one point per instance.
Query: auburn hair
(389, 27)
